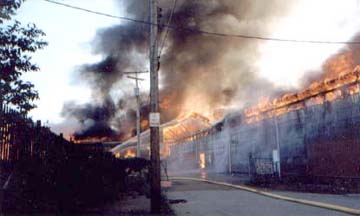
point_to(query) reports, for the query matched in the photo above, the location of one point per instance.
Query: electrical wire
(203, 32)
(167, 29)
(98, 13)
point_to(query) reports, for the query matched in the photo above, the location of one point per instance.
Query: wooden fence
(22, 139)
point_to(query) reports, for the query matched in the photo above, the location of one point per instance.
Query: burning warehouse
(225, 91)
(202, 73)
(314, 133)
(171, 133)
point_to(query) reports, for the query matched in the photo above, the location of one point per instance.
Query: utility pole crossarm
(135, 78)
(135, 72)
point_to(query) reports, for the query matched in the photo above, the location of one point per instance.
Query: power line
(203, 32)
(97, 12)
(167, 29)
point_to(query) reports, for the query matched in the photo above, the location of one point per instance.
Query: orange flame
(90, 140)
(339, 64)
(129, 154)
(166, 101)
(144, 123)
(202, 160)
(317, 93)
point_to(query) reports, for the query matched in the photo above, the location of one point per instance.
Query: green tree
(17, 42)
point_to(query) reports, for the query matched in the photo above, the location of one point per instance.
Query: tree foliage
(17, 42)
(8, 8)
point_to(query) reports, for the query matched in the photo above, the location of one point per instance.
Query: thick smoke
(216, 68)
(112, 113)
(198, 72)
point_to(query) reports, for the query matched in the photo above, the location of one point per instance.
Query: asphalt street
(200, 198)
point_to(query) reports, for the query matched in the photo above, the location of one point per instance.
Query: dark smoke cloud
(119, 46)
(219, 70)
(94, 119)
(110, 117)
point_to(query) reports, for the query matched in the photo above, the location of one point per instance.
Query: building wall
(332, 138)
(319, 140)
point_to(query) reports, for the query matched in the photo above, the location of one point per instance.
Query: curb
(276, 196)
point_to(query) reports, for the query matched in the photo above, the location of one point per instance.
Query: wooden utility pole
(138, 117)
(154, 118)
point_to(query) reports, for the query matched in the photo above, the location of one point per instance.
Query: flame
(340, 64)
(316, 93)
(165, 103)
(90, 140)
(144, 123)
(197, 103)
(202, 160)
(319, 99)
(330, 96)
(182, 129)
(354, 89)
(218, 113)
(129, 154)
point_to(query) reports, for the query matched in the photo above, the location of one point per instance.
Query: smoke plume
(198, 73)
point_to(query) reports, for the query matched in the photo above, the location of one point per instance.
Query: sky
(319, 20)
(70, 34)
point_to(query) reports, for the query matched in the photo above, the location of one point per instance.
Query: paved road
(208, 199)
